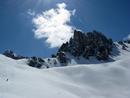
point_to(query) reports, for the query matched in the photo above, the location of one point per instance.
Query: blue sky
(112, 17)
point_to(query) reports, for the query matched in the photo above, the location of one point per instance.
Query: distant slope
(105, 80)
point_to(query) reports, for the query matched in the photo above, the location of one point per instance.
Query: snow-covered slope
(105, 80)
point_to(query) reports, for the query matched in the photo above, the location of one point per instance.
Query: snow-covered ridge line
(54, 61)
(103, 80)
(83, 48)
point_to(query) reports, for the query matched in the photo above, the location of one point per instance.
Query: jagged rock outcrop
(36, 62)
(127, 41)
(80, 45)
(62, 58)
(122, 43)
(31, 61)
(88, 44)
(13, 55)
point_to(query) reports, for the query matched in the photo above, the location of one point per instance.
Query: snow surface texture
(105, 80)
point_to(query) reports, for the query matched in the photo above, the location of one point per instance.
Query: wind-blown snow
(106, 80)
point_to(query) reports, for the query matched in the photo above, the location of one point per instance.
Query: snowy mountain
(88, 44)
(82, 48)
(88, 66)
(97, 80)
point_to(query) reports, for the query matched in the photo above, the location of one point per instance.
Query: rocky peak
(88, 44)
(11, 54)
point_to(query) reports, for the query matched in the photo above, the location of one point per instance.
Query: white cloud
(30, 12)
(53, 25)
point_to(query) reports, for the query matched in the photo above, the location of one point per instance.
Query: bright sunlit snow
(106, 80)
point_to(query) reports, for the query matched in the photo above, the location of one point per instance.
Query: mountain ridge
(83, 48)
(100, 80)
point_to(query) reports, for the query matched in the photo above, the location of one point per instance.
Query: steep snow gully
(102, 80)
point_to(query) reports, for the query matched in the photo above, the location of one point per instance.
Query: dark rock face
(81, 44)
(122, 43)
(36, 62)
(88, 44)
(32, 61)
(127, 41)
(62, 58)
(12, 55)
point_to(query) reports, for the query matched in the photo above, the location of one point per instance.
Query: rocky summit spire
(88, 44)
